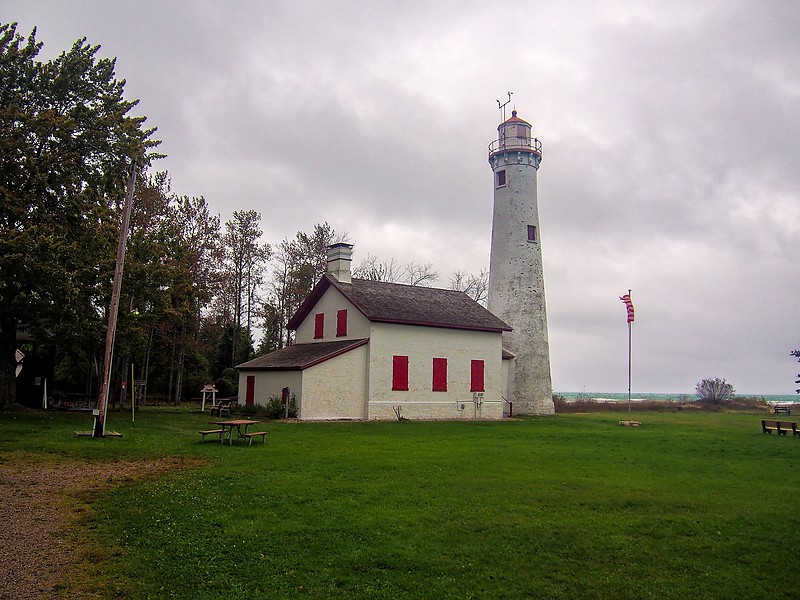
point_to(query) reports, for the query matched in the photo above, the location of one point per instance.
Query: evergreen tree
(66, 144)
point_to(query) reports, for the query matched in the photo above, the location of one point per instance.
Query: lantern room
(514, 134)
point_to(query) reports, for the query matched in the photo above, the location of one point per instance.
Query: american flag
(629, 304)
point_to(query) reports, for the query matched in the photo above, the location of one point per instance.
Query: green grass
(686, 506)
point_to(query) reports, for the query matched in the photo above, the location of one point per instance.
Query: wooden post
(105, 382)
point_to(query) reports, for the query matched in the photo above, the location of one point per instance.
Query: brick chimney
(339, 258)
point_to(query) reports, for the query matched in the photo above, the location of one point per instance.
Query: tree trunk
(181, 356)
(171, 369)
(147, 364)
(8, 359)
(126, 369)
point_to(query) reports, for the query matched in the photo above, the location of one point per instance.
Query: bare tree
(474, 286)
(372, 268)
(420, 274)
(714, 390)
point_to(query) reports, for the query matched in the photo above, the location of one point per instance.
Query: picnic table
(226, 429)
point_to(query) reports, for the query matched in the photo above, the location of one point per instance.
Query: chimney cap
(340, 245)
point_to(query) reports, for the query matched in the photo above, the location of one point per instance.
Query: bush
(276, 410)
(228, 384)
(714, 390)
(252, 410)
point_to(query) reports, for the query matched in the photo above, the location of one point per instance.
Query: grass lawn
(689, 505)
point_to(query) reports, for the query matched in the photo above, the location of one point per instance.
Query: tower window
(501, 178)
(532, 233)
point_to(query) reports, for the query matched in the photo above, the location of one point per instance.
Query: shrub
(276, 410)
(253, 410)
(714, 390)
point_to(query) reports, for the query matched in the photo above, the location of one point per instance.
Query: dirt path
(43, 503)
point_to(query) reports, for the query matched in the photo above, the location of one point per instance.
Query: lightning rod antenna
(502, 107)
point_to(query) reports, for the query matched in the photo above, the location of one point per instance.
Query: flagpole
(629, 367)
(629, 306)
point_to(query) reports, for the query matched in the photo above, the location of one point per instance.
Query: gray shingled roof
(406, 304)
(300, 356)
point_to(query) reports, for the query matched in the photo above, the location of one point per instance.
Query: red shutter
(476, 376)
(400, 373)
(439, 374)
(341, 323)
(319, 325)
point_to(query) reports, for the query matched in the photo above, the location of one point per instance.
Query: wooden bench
(222, 408)
(781, 409)
(253, 434)
(782, 427)
(206, 432)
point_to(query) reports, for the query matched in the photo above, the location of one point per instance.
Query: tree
(413, 273)
(796, 353)
(298, 264)
(421, 274)
(373, 269)
(194, 278)
(245, 261)
(66, 146)
(474, 286)
(714, 390)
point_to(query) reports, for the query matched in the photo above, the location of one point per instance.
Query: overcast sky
(670, 133)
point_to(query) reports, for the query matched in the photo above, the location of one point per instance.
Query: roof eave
(309, 303)
(442, 325)
(344, 350)
(357, 343)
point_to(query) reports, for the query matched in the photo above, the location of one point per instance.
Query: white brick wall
(422, 345)
(336, 388)
(330, 303)
(516, 282)
(270, 383)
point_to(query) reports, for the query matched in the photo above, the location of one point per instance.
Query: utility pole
(105, 382)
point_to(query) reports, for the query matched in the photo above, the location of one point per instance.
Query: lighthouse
(516, 276)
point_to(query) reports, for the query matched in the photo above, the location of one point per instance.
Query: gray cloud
(670, 150)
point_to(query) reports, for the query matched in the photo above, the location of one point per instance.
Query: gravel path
(43, 503)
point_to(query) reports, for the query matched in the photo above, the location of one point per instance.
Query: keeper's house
(374, 350)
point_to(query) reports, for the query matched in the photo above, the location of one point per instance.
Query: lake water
(638, 397)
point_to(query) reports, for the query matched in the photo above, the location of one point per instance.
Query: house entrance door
(250, 398)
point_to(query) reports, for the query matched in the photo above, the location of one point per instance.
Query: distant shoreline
(662, 397)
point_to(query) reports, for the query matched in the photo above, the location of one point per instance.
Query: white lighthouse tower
(516, 277)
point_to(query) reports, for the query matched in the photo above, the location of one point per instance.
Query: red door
(250, 399)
